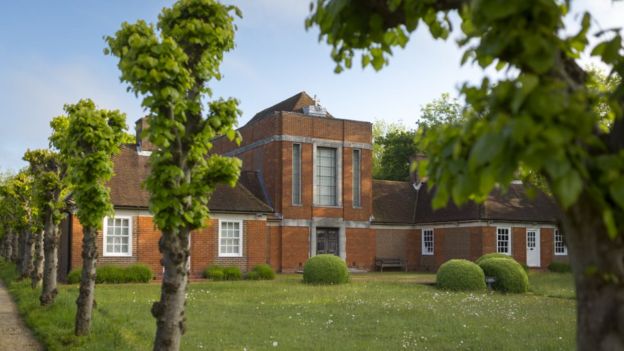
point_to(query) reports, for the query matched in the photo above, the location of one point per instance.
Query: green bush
(559, 267)
(139, 273)
(510, 277)
(74, 276)
(108, 274)
(232, 273)
(325, 269)
(264, 271)
(253, 275)
(213, 272)
(492, 255)
(460, 275)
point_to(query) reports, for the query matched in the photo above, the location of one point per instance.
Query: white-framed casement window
(325, 192)
(357, 178)
(296, 174)
(427, 241)
(118, 236)
(560, 247)
(230, 238)
(503, 240)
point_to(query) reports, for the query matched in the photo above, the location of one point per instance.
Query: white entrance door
(533, 247)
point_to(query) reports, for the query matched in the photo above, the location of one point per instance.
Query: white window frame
(294, 187)
(424, 250)
(556, 233)
(337, 177)
(508, 253)
(241, 238)
(105, 252)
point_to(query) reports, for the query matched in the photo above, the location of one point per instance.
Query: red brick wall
(295, 248)
(275, 255)
(518, 244)
(360, 248)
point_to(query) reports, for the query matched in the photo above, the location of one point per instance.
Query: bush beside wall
(108, 274)
(460, 275)
(559, 267)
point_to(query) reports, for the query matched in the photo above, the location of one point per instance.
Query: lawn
(375, 311)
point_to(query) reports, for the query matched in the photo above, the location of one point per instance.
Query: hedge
(509, 274)
(492, 255)
(217, 273)
(460, 275)
(109, 274)
(264, 272)
(559, 267)
(325, 269)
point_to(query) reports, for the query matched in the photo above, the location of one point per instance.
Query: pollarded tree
(91, 139)
(171, 68)
(545, 116)
(19, 192)
(34, 158)
(49, 171)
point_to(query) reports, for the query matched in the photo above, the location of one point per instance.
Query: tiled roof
(295, 103)
(131, 169)
(393, 202)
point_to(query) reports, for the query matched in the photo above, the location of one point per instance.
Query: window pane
(326, 176)
(296, 175)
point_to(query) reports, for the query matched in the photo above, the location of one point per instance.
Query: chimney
(143, 145)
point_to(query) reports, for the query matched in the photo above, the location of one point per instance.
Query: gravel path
(14, 335)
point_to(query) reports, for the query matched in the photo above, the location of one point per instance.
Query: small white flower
(274, 343)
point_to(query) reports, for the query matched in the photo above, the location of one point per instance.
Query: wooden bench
(382, 263)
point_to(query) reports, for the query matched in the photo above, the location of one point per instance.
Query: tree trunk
(7, 245)
(87, 282)
(15, 247)
(37, 273)
(598, 267)
(169, 311)
(26, 264)
(50, 246)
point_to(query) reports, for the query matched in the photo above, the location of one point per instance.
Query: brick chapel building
(306, 188)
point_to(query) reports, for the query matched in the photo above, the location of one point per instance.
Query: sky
(51, 54)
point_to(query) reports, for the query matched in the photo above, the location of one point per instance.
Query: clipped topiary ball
(509, 274)
(493, 255)
(460, 275)
(325, 269)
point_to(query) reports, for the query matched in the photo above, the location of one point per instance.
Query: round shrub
(213, 272)
(110, 274)
(264, 271)
(510, 277)
(325, 269)
(492, 255)
(253, 275)
(559, 267)
(459, 275)
(232, 273)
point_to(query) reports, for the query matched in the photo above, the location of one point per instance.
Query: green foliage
(443, 110)
(398, 149)
(170, 69)
(559, 267)
(48, 186)
(493, 255)
(17, 208)
(381, 128)
(460, 275)
(509, 274)
(548, 118)
(87, 138)
(110, 274)
(253, 275)
(232, 273)
(213, 272)
(264, 271)
(325, 269)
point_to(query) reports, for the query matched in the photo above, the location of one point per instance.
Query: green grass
(372, 312)
(552, 284)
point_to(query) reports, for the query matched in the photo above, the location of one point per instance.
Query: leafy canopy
(541, 117)
(87, 138)
(169, 65)
(48, 172)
